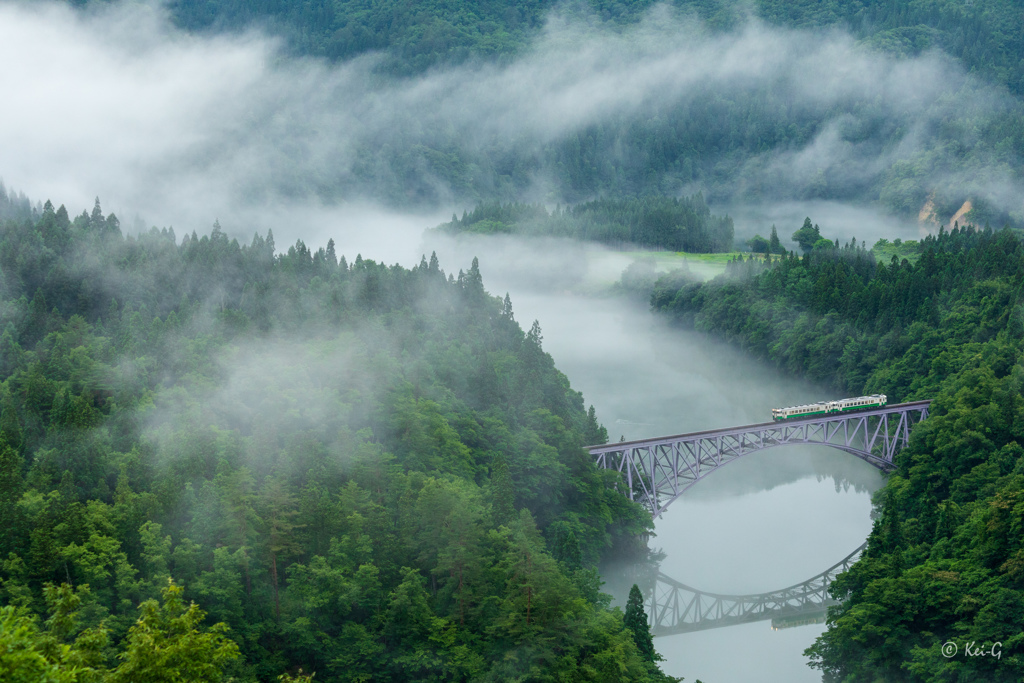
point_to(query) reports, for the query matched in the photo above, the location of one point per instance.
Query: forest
(986, 36)
(225, 460)
(672, 224)
(222, 461)
(945, 557)
(724, 138)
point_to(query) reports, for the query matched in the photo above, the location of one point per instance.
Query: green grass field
(702, 266)
(884, 250)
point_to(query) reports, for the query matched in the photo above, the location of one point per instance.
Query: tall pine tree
(636, 621)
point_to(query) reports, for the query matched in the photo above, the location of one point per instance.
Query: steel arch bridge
(675, 608)
(659, 470)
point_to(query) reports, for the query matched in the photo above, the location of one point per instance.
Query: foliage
(884, 250)
(944, 557)
(655, 222)
(359, 471)
(166, 644)
(807, 236)
(771, 245)
(14, 205)
(985, 35)
(23, 656)
(636, 621)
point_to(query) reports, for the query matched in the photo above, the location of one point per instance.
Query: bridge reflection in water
(674, 607)
(657, 471)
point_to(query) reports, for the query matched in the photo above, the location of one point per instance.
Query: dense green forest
(987, 35)
(952, 132)
(945, 558)
(295, 465)
(654, 222)
(226, 460)
(736, 144)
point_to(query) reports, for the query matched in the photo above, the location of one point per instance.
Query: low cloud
(179, 130)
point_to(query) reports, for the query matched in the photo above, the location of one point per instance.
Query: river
(768, 521)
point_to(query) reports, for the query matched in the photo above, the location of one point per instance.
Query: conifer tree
(168, 643)
(774, 245)
(569, 552)
(504, 492)
(636, 621)
(10, 492)
(332, 257)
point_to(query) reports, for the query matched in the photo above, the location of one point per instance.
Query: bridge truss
(674, 607)
(659, 470)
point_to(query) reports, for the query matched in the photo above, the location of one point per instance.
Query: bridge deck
(653, 441)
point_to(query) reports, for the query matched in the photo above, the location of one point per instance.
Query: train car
(860, 403)
(799, 411)
(843, 405)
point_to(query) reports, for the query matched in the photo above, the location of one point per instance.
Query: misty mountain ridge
(666, 103)
(985, 36)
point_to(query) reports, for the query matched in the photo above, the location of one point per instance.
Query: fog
(836, 219)
(172, 129)
(175, 130)
(645, 377)
(765, 522)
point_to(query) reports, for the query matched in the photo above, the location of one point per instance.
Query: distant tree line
(723, 140)
(986, 36)
(674, 224)
(14, 205)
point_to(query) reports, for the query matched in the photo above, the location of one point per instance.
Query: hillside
(987, 36)
(885, 107)
(944, 559)
(355, 470)
(739, 141)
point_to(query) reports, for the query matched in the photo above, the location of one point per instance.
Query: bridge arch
(659, 470)
(674, 607)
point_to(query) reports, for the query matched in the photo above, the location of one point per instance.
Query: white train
(843, 405)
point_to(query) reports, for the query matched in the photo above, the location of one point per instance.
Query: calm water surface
(768, 521)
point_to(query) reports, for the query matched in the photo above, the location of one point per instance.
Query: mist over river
(768, 521)
(233, 413)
